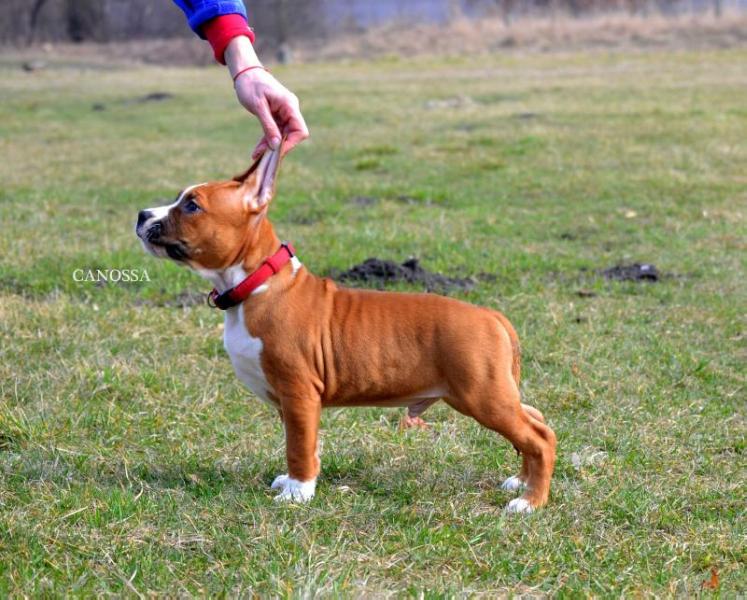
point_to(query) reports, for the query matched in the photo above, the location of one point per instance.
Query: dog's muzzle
(142, 218)
(150, 230)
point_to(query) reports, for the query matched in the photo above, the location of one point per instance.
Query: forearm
(240, 54)
(224, 24)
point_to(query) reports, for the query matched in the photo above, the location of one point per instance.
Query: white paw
(278, 482)
(292, 490)
(512, 484)
(519, 505)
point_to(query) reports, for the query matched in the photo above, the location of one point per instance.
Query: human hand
(276, 107)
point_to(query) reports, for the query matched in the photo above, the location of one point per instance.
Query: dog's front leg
(301, 414)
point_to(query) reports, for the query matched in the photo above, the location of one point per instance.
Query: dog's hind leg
(412, 417)
(533, 439)
(520, 481)
(536, 442)
(516, 482)
(499, 408)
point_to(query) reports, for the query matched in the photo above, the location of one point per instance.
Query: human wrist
(240, 55)
(223, 29)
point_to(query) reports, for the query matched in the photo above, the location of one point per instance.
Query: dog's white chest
(245, 352)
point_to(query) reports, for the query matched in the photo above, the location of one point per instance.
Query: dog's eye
(190, 206)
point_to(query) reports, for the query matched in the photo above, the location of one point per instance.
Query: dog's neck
(260, 243)
(224, 279)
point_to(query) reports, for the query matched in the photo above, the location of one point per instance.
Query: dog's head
(212, 225)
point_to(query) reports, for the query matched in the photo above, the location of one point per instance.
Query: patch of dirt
(147, 98)
(386, 272)
(401, 199)
(34, 65)
(153, 97)
(183, 299)
(187, 298)
(633, 272)
(304, 215)
(488, 277)
(466, 127)
(406, 199)
(453, 102)
(364, 200)
(586, 294)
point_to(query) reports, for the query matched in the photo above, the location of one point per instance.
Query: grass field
(133, 462)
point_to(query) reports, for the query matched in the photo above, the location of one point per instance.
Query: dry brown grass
(464, 36)
(459, 37)
(173, 52)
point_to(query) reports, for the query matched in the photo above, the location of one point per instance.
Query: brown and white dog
(303, 344)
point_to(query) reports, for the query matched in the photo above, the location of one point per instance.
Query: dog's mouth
(158, 246)
(174, 250)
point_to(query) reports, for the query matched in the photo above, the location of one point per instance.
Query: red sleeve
(221, 30)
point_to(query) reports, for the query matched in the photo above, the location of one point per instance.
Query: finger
(272, 133)
(295, 131)
(293, 139)
(260, 148)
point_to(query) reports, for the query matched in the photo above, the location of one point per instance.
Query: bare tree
(279, 22)
(34, 19)
(85, 20)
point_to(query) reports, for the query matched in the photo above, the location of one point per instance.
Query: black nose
(143, 216)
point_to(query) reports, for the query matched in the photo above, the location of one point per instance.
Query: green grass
(132, 460)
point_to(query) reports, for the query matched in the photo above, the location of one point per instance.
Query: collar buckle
(289, 247)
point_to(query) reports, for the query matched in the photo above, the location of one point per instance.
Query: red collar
(239, 293)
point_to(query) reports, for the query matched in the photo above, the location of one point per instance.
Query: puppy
(301, 343)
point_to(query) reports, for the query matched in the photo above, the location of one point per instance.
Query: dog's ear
(258, 182)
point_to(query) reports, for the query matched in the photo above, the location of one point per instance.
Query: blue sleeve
(199, 11)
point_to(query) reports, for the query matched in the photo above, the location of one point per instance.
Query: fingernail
(275, 143)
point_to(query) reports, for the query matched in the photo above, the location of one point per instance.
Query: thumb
(272, 133)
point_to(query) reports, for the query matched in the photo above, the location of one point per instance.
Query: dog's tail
(515, 346)
(516, 362)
